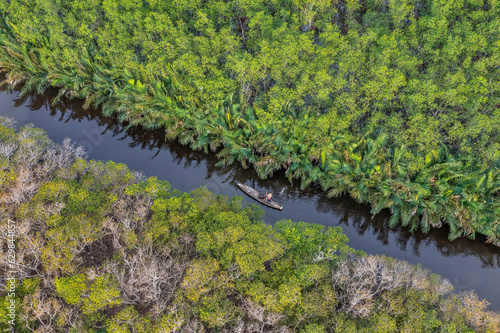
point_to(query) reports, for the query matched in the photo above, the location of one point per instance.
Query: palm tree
(23, 66)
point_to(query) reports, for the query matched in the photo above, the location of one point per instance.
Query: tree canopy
(300, 85)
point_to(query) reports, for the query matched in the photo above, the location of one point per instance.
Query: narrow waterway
(468, 264)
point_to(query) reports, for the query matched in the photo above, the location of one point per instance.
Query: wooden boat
(255, 195)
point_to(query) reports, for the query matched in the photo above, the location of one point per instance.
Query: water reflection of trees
(353, 215)
(358, 216)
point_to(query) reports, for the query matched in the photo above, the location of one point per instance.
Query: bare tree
(25, 187)
(7, 149)
(7, 122)
(132, 213)
(476, 315)
(36, 160)
(29, 250)
(58, 157)
(147, 278)
(239, 327)
(42, 309)
(282, 329)
(358, 281)
(72, 316)
(113, 228)
(261, 319)
(194, 326)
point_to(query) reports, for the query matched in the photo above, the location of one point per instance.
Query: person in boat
(269, 196)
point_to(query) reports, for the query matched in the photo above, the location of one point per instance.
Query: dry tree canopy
(100, 248)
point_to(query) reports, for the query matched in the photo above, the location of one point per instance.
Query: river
(468, 264)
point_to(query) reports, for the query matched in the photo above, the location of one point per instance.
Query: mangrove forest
(393, 102)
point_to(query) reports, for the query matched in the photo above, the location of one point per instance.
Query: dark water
(468, 264)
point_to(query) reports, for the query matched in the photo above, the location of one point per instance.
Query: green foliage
(71, 288)
(198, 276)
(6, 133)
(312, 238)
(384, 323)
(129, 320)
(103, 293)
(247, 245)
(4, 319)
(313, 328)
(281, 298)
(319, 301)
(29, 285)
(170, 323)
(152, 187)
(217, 311)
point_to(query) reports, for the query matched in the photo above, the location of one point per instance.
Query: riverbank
(93, 237)
(401, 149)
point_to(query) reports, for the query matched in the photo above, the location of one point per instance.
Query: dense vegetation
(395, 102)
(101, 249)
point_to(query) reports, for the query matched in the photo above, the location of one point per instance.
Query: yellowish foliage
(198, 276)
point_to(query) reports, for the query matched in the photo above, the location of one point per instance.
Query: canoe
(255, 195)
